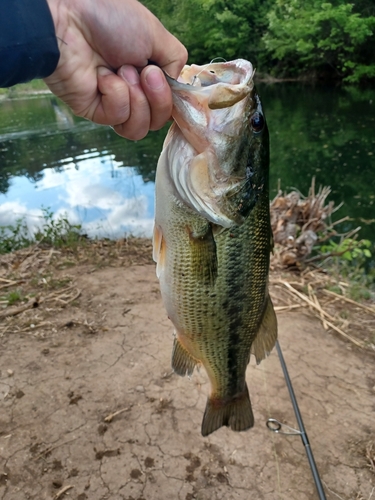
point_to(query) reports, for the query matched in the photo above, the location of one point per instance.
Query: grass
(351, 261)
(55, 284)
(350, 265)
(56, 232)
(24, 88)
(49, 282)
(360, 278)
(13, 297)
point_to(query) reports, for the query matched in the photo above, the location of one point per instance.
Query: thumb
(113, 107)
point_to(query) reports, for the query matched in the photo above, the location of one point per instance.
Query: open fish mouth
(212, 107)
(232, 81)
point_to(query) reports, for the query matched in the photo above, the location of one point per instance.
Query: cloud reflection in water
(106, 198)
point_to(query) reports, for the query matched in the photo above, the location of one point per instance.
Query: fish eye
(257, 122)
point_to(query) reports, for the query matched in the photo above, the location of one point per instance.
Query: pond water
(48, 158)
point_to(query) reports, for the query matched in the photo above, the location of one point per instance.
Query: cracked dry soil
(95, 413)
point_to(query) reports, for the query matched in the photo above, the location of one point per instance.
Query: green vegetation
(285, 38)
(350, 260)
(22, 88)
(320, 36)
(56, 232)
(13, 297)
(215, 28)
(349, 249)
(14, 237)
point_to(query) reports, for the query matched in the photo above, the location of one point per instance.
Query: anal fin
(267, 333)
(182, 362)
(235, 413)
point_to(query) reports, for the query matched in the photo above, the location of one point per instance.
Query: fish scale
(212, 240)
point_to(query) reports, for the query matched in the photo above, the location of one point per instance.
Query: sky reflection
(52, 159)
(107, 198)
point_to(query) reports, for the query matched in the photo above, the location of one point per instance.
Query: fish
(212, 235)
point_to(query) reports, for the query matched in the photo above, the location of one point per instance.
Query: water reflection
(108, 200)
(328, 133)
(64, 118)
(74, 167)
(49, 157)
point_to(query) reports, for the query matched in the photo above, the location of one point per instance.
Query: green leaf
(347, 256)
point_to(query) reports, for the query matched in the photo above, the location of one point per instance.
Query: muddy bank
(91, 410)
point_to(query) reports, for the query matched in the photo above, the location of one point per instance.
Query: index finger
(172, 59)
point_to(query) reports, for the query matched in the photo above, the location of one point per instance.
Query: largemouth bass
(212, 234)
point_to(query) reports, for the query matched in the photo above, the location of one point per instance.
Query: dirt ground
(89, 407)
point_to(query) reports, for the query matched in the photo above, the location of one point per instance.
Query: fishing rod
(275, 426)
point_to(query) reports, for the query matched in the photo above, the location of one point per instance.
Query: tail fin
(235, 413)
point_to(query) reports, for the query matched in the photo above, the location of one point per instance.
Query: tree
(304, 36)
(216, 28)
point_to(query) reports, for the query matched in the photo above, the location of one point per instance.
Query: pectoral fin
(204, 266)
(158, 251)
(267, 334)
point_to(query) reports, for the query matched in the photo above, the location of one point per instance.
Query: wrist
(63, 14)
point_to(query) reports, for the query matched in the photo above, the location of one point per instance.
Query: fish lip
(238, 66)
(172, 82)
(176, 85)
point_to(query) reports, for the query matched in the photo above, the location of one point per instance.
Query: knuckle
(184, 54)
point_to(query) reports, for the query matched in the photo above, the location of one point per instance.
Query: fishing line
(278, 480)
(276, 426)
(206, 66)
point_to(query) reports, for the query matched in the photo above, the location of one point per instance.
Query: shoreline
(309, 290)
(23, 94)
(23, 90)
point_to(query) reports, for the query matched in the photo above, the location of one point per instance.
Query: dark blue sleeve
(28, 44)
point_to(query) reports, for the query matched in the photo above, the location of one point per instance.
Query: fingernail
(154, 79)
(130, 74)
(103, 71)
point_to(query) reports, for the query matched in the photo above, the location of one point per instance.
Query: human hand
(102, 73)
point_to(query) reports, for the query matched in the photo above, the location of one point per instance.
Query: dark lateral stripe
(234, 310)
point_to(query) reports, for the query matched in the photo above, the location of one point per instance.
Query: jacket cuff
(28, 44)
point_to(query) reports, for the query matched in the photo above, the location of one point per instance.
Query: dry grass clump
(300, 222)
(370, 455)
(311, 291)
